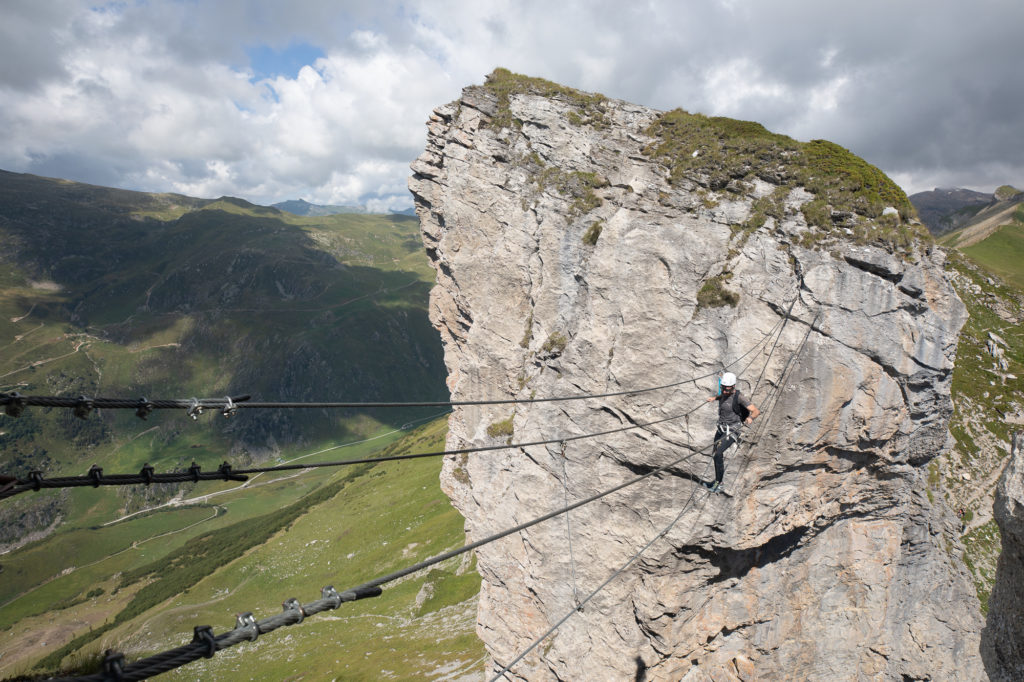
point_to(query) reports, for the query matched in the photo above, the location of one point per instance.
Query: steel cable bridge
(205, 643)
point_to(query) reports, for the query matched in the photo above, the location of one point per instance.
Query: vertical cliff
(1003, 637)
(587, 245)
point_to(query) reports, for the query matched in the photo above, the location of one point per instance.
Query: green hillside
(1002, 252)
(128, 294)
(988, 384)
(143, 584)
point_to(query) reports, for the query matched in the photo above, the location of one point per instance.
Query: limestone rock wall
(1003, 637)
(826, 560)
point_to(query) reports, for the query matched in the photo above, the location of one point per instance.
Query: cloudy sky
(326, 99)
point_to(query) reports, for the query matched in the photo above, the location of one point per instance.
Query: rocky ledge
(588, 245)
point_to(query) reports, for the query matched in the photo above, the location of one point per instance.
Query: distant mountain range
(304, 208)
(944, 210)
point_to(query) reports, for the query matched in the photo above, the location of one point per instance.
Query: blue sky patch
(268, 62)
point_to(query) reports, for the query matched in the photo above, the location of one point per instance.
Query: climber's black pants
(725, 438)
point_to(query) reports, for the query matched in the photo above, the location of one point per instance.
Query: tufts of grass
(593, 233)
(714, 294)
(500, 429)
(555, 343)
(576, 186)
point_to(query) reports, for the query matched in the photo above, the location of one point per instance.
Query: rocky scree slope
(586, 245)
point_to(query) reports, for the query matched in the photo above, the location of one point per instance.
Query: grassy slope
(107, 292)
(124, 293)
(982, 393)
(382, 518)
(1003, 251)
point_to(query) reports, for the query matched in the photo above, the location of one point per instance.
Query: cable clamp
(143, 409)
(194, 472)
(225, 470)
(83, 406)
(147, 474)
(96, 475)
(36, 478)
(14, 404)
(330, 594)
(113, 665)
(203, 634)
(229, 408)
(293, 606)
(194, 409)
(246, 622)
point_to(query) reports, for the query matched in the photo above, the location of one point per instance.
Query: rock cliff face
(585, 245)
(1003, 637)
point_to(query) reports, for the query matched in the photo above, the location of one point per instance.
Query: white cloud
(158, 95)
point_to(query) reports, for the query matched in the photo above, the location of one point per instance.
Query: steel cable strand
(30, 484)
(773, 400)
(505, 669)
(95, 478)
(508, 667)
(193, 651)
(15, 401)
(37, 482)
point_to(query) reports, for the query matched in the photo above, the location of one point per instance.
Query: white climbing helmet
(728, 379)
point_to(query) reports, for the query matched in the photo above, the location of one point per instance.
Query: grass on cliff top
(723, 149)
(715, 150)
(504, 83)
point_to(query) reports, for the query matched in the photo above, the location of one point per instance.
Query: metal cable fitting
(330, 594)
(83, 407)
(143, 409)
(246, 623)
(14, 404)
(203, 634)
(113, 665)
(292, 605)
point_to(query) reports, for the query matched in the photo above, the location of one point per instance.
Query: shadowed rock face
(826, 560)
(1003, 637)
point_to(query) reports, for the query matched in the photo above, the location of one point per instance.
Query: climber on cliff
(734, 411)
